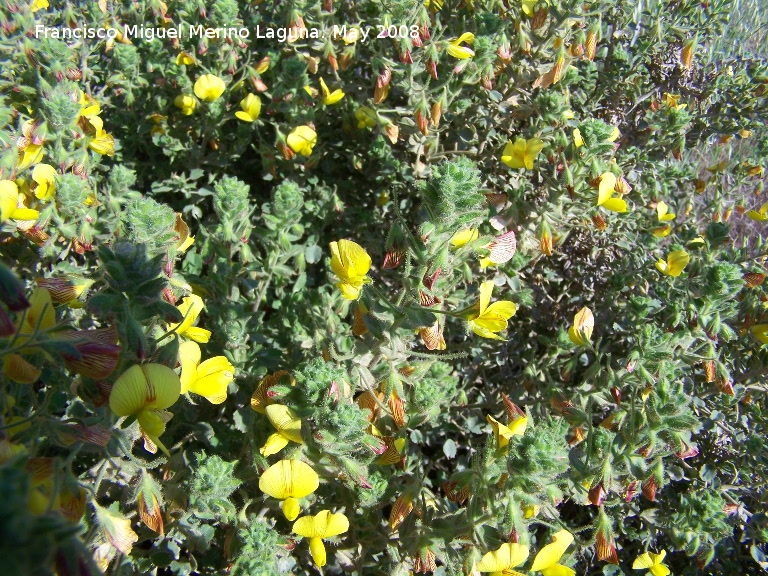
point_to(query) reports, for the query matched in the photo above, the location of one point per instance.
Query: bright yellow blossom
(185, 103)
(491, 318)
(501, 561)
(350, 262)
(209, 379)
(289, 480)
(45, 176)
(184, 58)
(759, 215)
(209, 87)
(521, 153)
(12, 203)
(145, 391)
(38, 5)
(760, 331)
(302, 140)
(606, 191)
(30, 155)
(503, 433)
(583, 324)
(652, 562)
(288, 426)
(670, 101)
(456, 50)
(662, 210)
(102, 143)
(675, 264)
(190, 308)
(323, 525)
(251, 108)
(366, 117)
(329, 97)
(529, 5)
(464, 237)
(548, 558)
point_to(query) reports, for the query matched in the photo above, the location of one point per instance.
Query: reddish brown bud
(631, 491)
(596, 494)
(754, 279)
(649, 488)
(421, 122)
(424, 561)
(605, 548)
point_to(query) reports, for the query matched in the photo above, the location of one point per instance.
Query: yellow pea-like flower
(507, 556)
(503, 433)
(521, 153)
(251, 108)
(302, 140)
(759, 215)
(366, 117)
(190, 308)
(288, 426)
(675, 263)
(548, 558)
(323, 525)
(209, 87)
(653, 563)
(12, 203)
(45, 177)
(330, 98)
(145, 391)
(289, 480)
(351, 263)
(662, 211)
(185, 103)
(606, 191)
(209, 379)
(456, 49)
(491, 318)
(464, 237)
(583, 325)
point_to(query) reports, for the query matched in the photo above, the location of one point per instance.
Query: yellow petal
(323, 525)
(507, 556)
(550, 554)
(144, 386)
(502, 309)
(32, 155)
(209, 87)
(616, 204)
(558, 570)
(302, 140)
(289, 479)
(643, 561)
(198, 334)
(676, 262)
(19, 370)
(45, 176)
(464, 237)
(285, 421)
(460, 52)
(9, 198)
(317, 550)
(291, 509)
(578, 141)
(486, 289)
(349, 261)
(40, 315)
(213, 378)
(273, 445)
(606, 188)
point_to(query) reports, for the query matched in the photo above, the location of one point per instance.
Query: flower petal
(550, 554)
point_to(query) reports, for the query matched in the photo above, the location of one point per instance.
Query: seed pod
(436, 112)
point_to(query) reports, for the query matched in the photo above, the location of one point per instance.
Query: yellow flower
(491, 318)
(503, 433)
(350, 262)
(45, 176)
(670, 101)
(760, 331)
(145, 391)
(676, 262)
(184, 58)
(185, 103)
(531, 510)
(190, 308)
(288, 426)
(366, 117)
(662, 231)
(760, 215)
(38, 5)
(547, 559)
(302, 140)
(209, 379)
(181, 228)
(578, 141)
(12, 203)
(323, 525)
(464, 237)
(662, 210)
(329, 97)
(583, 324)
(529, 5)
(456, 50)
(289, 480)
(502, 560)
(521, 153)
(652, 562)
(32, 154)
(606, 191)
(209, 87)
(251, 108)
(102, 143)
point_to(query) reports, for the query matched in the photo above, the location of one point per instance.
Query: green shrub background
(644, 433)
